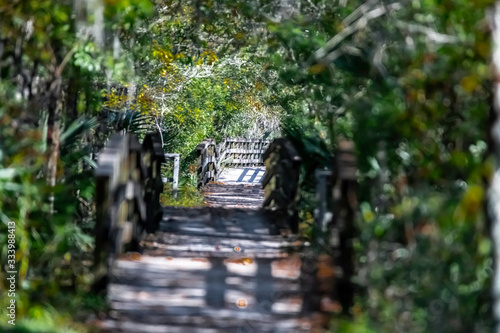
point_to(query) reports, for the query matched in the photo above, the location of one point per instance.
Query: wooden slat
(212, 269)
(208, 166)
(128, 186)
(282, 179)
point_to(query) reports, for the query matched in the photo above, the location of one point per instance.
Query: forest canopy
(409, 82)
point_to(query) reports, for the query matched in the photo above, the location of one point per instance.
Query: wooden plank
(174, 292)
(217, 268)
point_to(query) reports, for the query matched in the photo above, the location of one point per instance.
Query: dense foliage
(408, 82)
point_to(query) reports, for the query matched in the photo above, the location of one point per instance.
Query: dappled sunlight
(249, 166)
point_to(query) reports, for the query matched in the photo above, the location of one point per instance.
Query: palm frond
(169, 135)
(73, 147)
(76, 129)
(129, 121)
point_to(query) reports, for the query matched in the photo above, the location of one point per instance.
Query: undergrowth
(188, 196)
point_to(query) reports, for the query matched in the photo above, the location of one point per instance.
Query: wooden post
(343, 230)
(281, 180)
(176, 175)
(322, 212)
(175, 185)
(128, 187)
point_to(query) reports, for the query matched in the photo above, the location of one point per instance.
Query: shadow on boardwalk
(228, 267)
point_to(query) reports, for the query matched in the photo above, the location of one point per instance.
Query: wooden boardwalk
(242, 175)
(227, 267)
(235, 265)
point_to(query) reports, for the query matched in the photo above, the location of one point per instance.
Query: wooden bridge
(236, 265)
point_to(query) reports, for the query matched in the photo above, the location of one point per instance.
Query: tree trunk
(53, 129)
(71, 98)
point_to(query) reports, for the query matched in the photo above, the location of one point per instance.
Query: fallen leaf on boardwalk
(242, 261)
(242, 303)
(131, 256)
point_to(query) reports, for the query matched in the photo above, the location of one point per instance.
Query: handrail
(342, 229)
(128, 187)
(281, 179)
(334, 216)
(153, 157)
(240, 152)
(232, 152)
(207, 162)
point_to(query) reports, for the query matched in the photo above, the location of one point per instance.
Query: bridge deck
(228, 267)
(243, 175)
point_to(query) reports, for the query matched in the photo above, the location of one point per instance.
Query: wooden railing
(324, 202)
(175, 174)
(153, 157)
(207, 162)
(128, 187)
(281, 180)
(336, 206)
(238, 152)
(342, 231)
(334, 216)
(231, 152)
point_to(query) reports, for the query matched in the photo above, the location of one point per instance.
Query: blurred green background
(409, 82)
